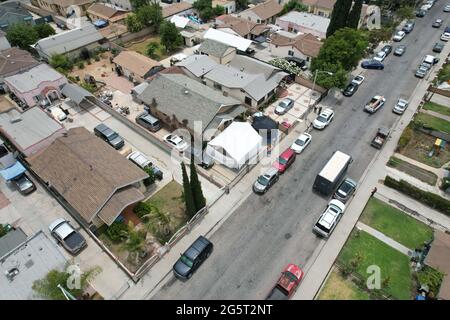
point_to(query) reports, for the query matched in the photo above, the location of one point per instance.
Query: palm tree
(158, 222)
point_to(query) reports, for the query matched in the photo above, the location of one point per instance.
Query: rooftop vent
(12, 273)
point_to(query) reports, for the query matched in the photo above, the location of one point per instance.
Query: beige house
(100, 11)
(304, 46)
(135, 66)
(93, 179)
(321, 8)
(262, 13)
(228, 5)
(241, 27)
(64, 7)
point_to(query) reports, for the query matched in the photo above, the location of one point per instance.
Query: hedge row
(428, 198)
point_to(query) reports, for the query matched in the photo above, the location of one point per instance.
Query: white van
(57, 113)
(430, 60)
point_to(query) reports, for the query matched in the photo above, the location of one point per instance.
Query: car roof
(61, 227)
(304, 135)
(270, 172)
(287, 153)
(327, 112)
(198, 246)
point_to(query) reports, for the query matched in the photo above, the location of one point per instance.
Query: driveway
(36, 211)
(267, 232)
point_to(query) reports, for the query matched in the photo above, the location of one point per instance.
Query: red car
(287, 284)
(284, 160)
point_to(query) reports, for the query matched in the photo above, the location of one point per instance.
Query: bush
(151, 177)
(2, 230)
(142, 209)
(115, 51)
(117, 231)
(428, 198)
(80, 65)
(430, 277)
(97, 58)
(405, 137)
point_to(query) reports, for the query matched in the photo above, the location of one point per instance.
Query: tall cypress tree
(187, 192)
(339, 16)
(196, 187)
(355, 14)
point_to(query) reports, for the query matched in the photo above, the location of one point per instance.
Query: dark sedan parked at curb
(400, 50)
(64, 233)
(387, 48)
(192, 258)
(438, 47)
(24, 184)
(345, 190)
(350, 89)
(372, 64)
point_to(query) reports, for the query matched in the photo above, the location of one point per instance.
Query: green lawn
(437, 108)
(393, 264)
(433, 122)
(412, 170)
(339, 288)
(396, 224)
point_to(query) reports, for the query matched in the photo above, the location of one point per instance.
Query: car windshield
(358, 78)
(321, 119)
(186, 261)
(322, 227)
(380, 54)
(281, 160)
(345, 187)
(283, 104)
(300, 142)
(113, 136)
(263, 180)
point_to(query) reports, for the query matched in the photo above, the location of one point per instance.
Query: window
(291, 53)
(258, 21)
(248, 101)
(37, 98)
(217, 86)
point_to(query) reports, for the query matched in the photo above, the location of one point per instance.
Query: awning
(76, 93)
(260, 39)
(12, 172)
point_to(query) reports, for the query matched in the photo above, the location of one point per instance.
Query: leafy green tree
(339, 16)
(170, 36)
(135, 239)
(44, 30)
(355, 14)
(48, 287)
(2, 230)
(218, 10)
(242, 4)
(152, 47)
(206, 14)
(156, 16)
(117, 231)
(376, 36)
(346, 48)
(151, 176)
(405, 12)
(61, 62)
(197, 193)
(22, 35)
(138, 3)
(293, 5)
(133, 23)
(187, 193)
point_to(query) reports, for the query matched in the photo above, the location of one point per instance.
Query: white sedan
(176, 142)
(324, 119)
(358, 80)
(301, 143)
(380, 56)
(399, 35)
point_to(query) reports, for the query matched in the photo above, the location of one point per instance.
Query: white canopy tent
(179, 21)
(238, 144)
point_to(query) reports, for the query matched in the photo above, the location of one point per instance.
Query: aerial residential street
(267, 232)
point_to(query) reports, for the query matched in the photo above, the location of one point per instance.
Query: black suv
(350, 89)
(109, 136)
(192, 258)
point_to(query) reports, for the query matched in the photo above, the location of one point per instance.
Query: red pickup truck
(287, 283)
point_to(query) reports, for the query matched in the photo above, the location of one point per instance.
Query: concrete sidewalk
(325, 256)
(161, 272)
(382, 237)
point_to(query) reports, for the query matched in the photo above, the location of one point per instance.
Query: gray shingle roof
(213, 48)
(12, 12)
(32, 78)
(185, 98)
(75, 93)
(69, 40)
(198, 64)
(34, 127)
(33, 259)
(11, 241)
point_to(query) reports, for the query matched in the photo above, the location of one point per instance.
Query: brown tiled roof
(102, 10)
(135, 62)
(241, 26)
(118, 202)
(267, 9)
(328, 4)
(87, 172)
(175, 8)
(308, 44)
(15, 60)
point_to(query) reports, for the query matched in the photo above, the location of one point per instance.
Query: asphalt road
(267, 232)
